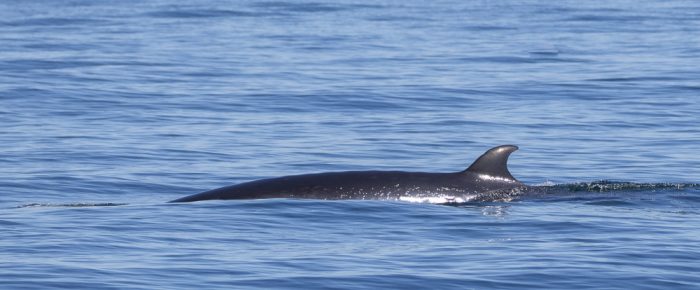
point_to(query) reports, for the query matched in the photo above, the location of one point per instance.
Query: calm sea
(108, 109)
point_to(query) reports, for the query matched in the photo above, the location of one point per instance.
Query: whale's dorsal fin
(494, 162)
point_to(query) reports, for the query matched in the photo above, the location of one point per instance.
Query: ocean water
(109, 109)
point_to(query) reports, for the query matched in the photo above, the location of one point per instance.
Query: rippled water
(110, 109)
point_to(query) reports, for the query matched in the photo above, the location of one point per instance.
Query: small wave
(292, 6)
(534, 58)
(208, 13)
(636, 79)
(53, 22)
(80, 204)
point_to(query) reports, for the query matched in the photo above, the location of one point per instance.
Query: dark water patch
(6, 223)
(610, 203)
(687, 87)
(544, 53)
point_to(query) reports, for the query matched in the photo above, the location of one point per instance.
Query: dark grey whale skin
(487, 178)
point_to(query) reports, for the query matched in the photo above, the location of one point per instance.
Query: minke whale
(487, 179)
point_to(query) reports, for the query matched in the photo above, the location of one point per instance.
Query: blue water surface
(108, 109)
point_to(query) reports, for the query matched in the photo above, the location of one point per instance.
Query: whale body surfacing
(487, 179)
